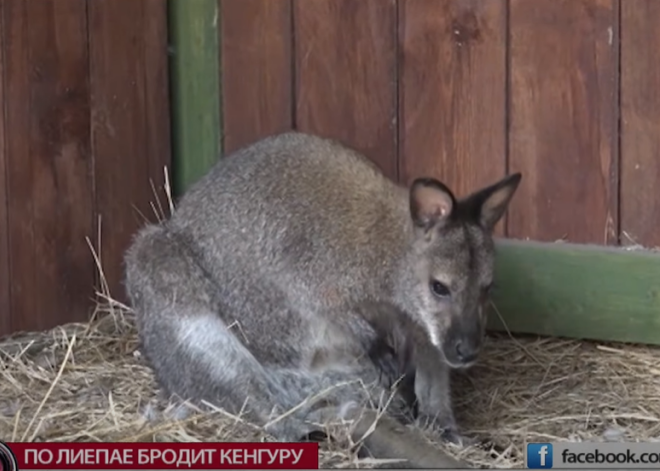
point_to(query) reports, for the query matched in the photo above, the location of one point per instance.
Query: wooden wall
(84, 126)
(566, 91)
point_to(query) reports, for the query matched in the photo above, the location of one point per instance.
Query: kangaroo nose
(465, 353)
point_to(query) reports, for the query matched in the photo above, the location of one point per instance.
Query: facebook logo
(539, 456)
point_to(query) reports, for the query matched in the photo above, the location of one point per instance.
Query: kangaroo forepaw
(386, 364)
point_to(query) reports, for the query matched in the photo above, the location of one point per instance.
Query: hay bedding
(88, 382)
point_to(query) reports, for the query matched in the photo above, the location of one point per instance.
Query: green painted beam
(195, 89)
(577, 291)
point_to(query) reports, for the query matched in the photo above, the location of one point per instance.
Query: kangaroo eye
(439, 289)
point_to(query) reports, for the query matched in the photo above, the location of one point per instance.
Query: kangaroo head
(451, 263)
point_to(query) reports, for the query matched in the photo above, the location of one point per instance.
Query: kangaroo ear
(431, 202)
(492, 202)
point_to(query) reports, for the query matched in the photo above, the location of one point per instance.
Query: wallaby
(283, 271)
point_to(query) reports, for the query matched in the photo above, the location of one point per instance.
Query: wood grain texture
(453, 92)
(130, 140)
(640, 122)
(345, 55)
(5, 312)
(19, 166)
(563, 128)
(49, 163)
(255, 51)
(157, 89)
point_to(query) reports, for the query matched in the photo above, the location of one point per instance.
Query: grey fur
(282, 268)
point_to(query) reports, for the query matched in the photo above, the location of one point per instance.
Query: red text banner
(229, 455)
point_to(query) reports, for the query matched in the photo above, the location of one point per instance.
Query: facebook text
(592, 455)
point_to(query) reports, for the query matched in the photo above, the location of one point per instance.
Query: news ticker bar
(603, 455)
(165, 456)
(162, 456)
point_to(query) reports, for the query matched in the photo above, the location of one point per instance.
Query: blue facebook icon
(539, 456)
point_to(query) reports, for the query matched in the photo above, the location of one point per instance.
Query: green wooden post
(577, 291)
(195, 88)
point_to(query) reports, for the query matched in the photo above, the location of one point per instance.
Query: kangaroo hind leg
(193, 353)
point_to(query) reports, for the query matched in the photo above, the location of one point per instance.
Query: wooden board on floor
(563, 133)
(49, 164)
(129, 137)
(640, 122)
(256, 55)
(577, 291)
(345, 56)
(452, 91)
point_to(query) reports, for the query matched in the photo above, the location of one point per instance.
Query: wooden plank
(124, 125)
(640, 122)
(195, 88)
(345, 55)
(18, 164)
(157, 96)
(453, 93)
(563, 133)
(5, 313)
(256, 49)
(49, 164)
(577, 291)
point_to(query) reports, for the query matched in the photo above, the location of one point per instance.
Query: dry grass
(88, 382)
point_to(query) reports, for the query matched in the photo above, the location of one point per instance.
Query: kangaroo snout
(466, 352)
(463, 345)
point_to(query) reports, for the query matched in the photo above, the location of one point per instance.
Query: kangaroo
(283, 272)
